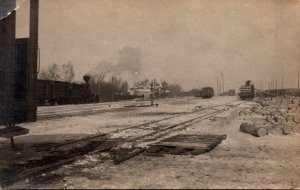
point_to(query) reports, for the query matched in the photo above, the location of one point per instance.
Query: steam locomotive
(247, 91)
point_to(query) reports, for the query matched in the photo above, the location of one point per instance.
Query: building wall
(140, 92)
(33, 61)
(7, 66)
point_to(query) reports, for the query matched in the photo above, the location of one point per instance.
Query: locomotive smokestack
(86, 78)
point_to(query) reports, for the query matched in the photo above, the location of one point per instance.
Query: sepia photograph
(149, 94)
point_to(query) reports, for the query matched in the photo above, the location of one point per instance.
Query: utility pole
(217, 85)
(271, 84)
(282, 83)
(220, 85)
(276, 89)
(260, 85)
(298, 80)
(222, 82)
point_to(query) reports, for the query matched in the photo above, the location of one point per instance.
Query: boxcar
(58, 92)
(206, 92)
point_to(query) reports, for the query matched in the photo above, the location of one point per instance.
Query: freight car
(231, 92)
(247, 91)
(58, 92)
(206, 92)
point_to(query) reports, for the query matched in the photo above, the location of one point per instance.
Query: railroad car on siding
(58, 92)
(231, 92)
(206, 92)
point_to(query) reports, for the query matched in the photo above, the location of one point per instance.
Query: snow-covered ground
(240, 161)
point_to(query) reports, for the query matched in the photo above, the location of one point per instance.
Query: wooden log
(253, 129)
(296, 129)
(285, 129)
(296, 119)
(241, 113)
(264, 112)
(269, 127)
(279, 119)
(269, 118)
(289, 118)
(275, 131)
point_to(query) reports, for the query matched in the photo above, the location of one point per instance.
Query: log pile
(282, 116)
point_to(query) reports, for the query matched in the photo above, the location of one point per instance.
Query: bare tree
(68, 72)
(174, 89)
(52, 73)
(124, 86)
(107, 90)
(142, 83)
(115, 83)
(100, 78)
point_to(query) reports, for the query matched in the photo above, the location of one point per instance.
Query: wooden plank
(186, 145)
(182, 143)
(198, 151)
(153, 149)
(177, 137)
(157, 154)
(194, 138)
(175, 150)
(121, 158)
(197, 144)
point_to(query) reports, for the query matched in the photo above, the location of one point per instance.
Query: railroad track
(130, 127)
(139, 126)
(160, 131)
(154, 130)
(53, 109)
(51, 112)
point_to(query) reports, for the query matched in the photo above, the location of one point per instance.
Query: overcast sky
(189, 42)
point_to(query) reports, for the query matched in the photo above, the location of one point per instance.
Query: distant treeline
(107, 90)
(104, 88)
(55, 72)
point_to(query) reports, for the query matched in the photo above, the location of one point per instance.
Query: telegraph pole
(222, 82)
(298, 80)
(276, 89)
(260, 85)
(217, 85)
(282, 83)
(272, 84)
